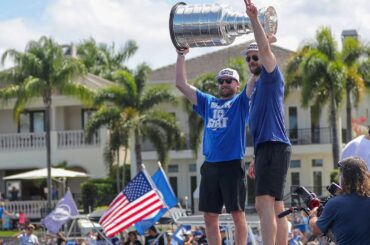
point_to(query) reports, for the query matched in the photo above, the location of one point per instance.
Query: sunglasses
(253, 57)
(227, 80)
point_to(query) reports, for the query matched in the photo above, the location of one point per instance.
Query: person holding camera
(347, 214)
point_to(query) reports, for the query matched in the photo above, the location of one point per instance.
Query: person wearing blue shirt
(272, 148)
(347, 215)
(224, 142)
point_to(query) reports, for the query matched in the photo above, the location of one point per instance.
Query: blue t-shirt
(1, 212)
(267, 108)
(225, 122)
(348, 217)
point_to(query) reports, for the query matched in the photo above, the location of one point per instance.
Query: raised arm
(181, 82)
(268, 59)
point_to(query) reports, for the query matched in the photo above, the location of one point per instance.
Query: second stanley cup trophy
(213, 24)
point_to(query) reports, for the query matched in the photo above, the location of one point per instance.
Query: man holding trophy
(223, 172)
(271, 144)
(225, 118)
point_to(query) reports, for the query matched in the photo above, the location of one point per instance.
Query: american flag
(137, 201)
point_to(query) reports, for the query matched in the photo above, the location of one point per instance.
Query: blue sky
(146, 22)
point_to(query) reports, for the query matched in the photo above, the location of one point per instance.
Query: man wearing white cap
(272, 147)
(224, 142)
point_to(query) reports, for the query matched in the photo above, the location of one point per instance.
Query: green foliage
(129, 108)
(97, 192)
(104, 60)
(334, 176)
(317, 68)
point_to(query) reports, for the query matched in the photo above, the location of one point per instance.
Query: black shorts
(271, 167)
(222, 183)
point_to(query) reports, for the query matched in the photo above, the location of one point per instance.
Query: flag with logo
(181, 232)
(64, 211)
(168, 196)
(137, 201)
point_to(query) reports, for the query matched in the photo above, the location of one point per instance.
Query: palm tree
(40, 71)
(133, 109)
(206, 83)
(319, 71)
(118, 135)
(103, 60)
(355, 85)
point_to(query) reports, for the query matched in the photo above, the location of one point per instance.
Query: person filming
(347, 214)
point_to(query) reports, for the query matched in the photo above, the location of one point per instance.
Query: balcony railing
(307, 136)
(75, 138)
(22, 141)
(31, 209)
(35, 141)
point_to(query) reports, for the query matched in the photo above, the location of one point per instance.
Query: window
(317, 162)
(317, 182)
(295, 163)
(32, 121)
(173, 183)
(315, 124)
(293, 124)
(192, 167)
(174, 168)
(295, 178)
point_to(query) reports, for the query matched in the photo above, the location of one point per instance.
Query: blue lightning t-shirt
(225, 122)
(267, 108)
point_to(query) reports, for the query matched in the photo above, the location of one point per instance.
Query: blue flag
(179, 235)
(64, 211)
(160, 180)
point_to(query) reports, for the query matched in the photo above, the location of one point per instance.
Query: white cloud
(146, 22)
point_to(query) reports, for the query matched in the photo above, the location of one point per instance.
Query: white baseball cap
(228, 72)
(252, 47)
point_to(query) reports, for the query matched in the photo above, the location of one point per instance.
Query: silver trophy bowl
(209, 25)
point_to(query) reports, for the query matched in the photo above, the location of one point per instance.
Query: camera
(311, 200)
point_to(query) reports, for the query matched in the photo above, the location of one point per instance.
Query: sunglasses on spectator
(253, 57)
(227, 80)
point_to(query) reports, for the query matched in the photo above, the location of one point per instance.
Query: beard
(256, 71)
(226, 92)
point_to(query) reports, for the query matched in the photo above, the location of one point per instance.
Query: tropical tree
(118, 137)
(104, 60)
(351, 53)
(133, 109)
(39, 72)
(206, 83)
(318, 70)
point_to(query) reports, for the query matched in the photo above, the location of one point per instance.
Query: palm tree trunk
(139, 159)
(335, 143)
(47, 101)
(118, 184)
(349, 116)
(124, 167)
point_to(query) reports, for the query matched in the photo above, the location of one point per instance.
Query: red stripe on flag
(129, 209)
(109, 212)
(122, 226)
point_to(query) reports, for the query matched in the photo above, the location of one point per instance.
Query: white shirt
(25, 239)
(358, 147)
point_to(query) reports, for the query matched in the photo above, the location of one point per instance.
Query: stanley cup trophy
(213, 24)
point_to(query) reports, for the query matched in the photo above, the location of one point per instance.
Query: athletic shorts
(271, 166)
(222, 183)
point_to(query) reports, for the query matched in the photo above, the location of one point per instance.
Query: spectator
(153, 237)
(27, 237)
(132, 239)
(14, 193)
(358, 147)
